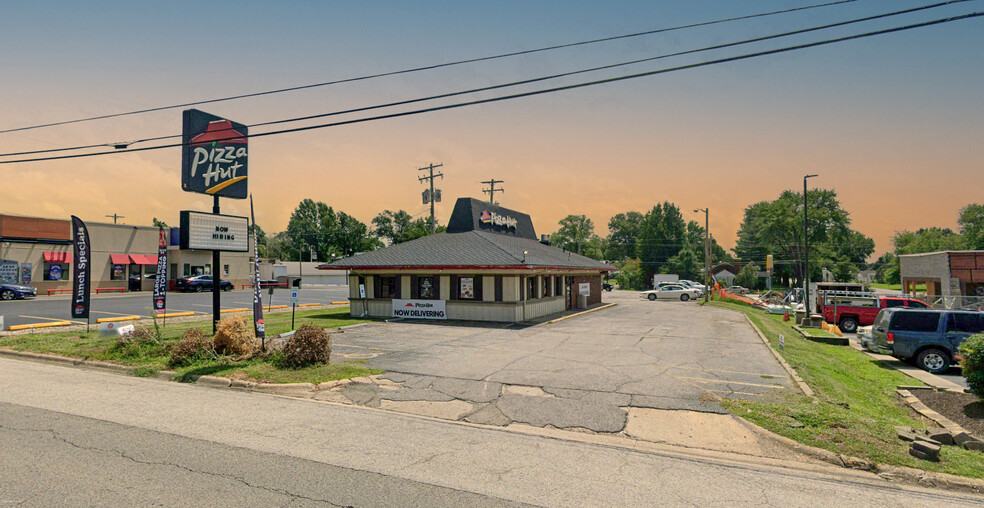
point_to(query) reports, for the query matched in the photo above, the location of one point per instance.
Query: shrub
(234, 336)
(973, 364)
(309, 345)
(195, 344)
(139, 336)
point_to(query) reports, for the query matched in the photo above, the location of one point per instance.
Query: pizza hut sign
(419, 309)
(213, 155)
(494, 219)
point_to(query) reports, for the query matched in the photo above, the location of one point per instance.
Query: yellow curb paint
(176, 314)
(233, 310)
(275, 307)
(309, 304)
(115, 319)
(39, 325)
(339, 303)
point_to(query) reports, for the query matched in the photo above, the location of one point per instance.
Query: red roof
(119, 259)
(220, 131)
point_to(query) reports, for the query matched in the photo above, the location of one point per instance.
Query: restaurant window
(531, 288)
(197, 270)
(117, 272)
(558, 286)
(208, 269)
(546, 286)
(187, 270)
(426, 288)
(173, 273)
(466, 288)
(388, 287)
(56, 271)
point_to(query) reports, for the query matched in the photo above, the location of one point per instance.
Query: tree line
(970, 219)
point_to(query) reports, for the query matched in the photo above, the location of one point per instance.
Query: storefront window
(117, 273)
(225, 269)
(466, 288)
(56, 271)
(546, 286)
(530, 288)
(388, 288)
(425, 288)
(558, 285)
(173, 272)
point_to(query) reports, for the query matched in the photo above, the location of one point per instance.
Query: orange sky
(893, 124)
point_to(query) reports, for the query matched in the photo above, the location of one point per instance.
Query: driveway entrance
(583, 372)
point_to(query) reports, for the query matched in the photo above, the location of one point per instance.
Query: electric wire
(538, 92)
(425, 68)
(517, 83)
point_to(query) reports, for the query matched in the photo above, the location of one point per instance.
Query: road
(78, 437)
(57, 308)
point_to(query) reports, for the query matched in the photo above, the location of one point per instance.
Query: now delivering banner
(419, 309)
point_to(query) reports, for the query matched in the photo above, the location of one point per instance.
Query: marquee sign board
(420, 309)
(212, 231)
(213, 155)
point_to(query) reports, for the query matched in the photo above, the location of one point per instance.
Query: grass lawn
(890, 287)
(153, 357)
(856, 407)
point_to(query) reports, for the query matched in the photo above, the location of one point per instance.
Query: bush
(195, 344)
(973, 364)
(139, 337)
(234, 336)
(309, 345)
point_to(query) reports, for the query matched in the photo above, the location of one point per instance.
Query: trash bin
(582, 301)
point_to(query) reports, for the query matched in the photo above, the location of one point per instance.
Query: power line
(543, 91)
(119, 145)
(424, 68)
(492, 190)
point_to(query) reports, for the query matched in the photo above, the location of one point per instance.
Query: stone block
(974, 445)
(920, 455)
(926, 448)
(942, 436)
(962, 437)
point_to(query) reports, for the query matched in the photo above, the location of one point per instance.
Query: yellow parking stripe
(725, 381)
(53, 319)
(39, 325)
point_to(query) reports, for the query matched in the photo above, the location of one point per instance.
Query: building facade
(946, 273)
(38, 252)
(487, 266)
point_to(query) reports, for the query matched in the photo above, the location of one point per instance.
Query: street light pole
(707, 251)
(300, 264)
(806, 255)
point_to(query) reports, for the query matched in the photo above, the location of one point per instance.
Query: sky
(893, 123)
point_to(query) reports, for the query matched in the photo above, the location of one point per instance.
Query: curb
(805, 388)
(924, 410)
(569, 316)
(349, 327)
(834, 341)
(884, 471)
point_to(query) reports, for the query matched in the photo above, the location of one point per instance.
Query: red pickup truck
(850, 312)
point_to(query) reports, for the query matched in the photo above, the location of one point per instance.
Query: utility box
(582, 301)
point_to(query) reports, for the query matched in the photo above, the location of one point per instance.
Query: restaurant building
(38, 252)
(487, 266)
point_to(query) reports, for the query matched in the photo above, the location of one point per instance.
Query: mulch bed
(964, 409)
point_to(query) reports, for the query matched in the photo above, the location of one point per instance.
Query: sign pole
(216, 304)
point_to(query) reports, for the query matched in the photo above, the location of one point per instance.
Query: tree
(776, 227)
(971, 222)
(261, 239)
(927, 240)
(159, 223)
(661, 235)
(623, 233)
(887, 269)
(631, 275)
(315, 226)
(576, 234)
(399, 227)
(686, 263)
(746, 276)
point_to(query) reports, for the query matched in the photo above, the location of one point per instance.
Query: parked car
(738, 290)
(606, 286)
(12, 291)
(670, 292)
(200, 283)
(853, 311)
(928, 337)
(693, 285)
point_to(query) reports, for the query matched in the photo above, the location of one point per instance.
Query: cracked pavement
(586, 373)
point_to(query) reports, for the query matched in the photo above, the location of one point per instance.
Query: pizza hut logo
(408, 305)
(494, 219)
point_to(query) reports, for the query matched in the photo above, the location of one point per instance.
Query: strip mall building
(487, 266)
(38, 252)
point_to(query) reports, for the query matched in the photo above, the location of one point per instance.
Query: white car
(693, 285)
(671, 292)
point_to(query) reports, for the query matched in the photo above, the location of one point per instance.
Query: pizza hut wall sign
(213, 155)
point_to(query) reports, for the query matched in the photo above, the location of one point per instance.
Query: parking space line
(110, 313)
(725, 371)
(53, 319)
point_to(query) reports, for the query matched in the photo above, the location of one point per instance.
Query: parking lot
(585, 372)
(57, 308)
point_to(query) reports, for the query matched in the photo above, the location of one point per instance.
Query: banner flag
(257, 293)
(82, 269)
(160, 282)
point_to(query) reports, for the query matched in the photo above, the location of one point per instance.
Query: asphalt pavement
(75, 437)
(57, 308)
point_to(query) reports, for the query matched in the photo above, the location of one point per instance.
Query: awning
(58, 257)
(143, 259)
(119, 259)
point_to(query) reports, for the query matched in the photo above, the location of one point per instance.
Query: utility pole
(115, 217)
(492, 190)
(431, 176)
(707, 251)
(806, 258)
